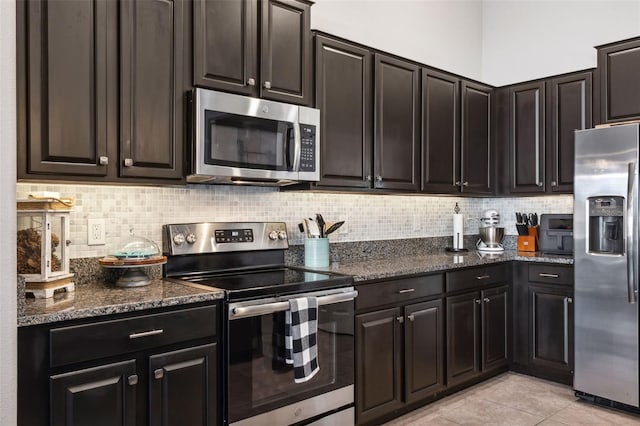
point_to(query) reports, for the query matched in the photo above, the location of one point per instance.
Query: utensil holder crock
(316, 252)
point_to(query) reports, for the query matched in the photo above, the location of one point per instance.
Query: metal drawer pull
(268, 308)
(483, 277)
(486, 299)
(406, 290)
(146, 334)
(132, 380)
(159, 373)
(411, 317)
(548, 275)
(400, 319)
(478, 301)
(570, 300)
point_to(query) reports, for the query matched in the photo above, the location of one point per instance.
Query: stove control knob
(282, 235)
(178, 239)
(273, 235)
(191, 238)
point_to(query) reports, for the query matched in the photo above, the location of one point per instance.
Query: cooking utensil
(301, 228)
(313, 228)
(334, 227)
(321, 224)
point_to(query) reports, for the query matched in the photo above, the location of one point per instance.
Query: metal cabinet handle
(411, 317)
(251, 82)
(367, 178)
(158, 374)
(554, 183)
(457, 183)
(486, 299)
(540, 184)
(146, 334)
(400, 319)
(544, 275)
(483, 277)
(465, 183)
(379, 178)
(128, 162)
(104, 160)
(569, 299)
(406, 290)
(132, 380)
(267, 85)
(478, 301)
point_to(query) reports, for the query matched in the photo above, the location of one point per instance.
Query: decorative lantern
(43, 237)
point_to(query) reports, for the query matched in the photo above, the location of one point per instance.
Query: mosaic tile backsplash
(367, 217)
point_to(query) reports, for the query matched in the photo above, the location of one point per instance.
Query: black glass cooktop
(268, 282)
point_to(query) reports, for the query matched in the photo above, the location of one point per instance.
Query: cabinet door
(619, 68)
(225, 45)
(397, 108)
(151, 104)
(551, 328)
(527, 137)
(183, 387)
(378, 363)
(495, 327)
(63, 80)
(463, 328)
(343, 94)
(285, 60)
(568, 109)
(440, 132)
(100, 396)
(423, 350)
(476, 147)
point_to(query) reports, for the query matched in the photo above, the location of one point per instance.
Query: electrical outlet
(95, 232)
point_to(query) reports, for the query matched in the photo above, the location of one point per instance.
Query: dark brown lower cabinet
(382, 338)
(477, 333)
(99, 396)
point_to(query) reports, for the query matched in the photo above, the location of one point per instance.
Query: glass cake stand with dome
(134, 254)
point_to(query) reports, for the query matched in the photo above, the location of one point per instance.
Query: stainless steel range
(246, 260)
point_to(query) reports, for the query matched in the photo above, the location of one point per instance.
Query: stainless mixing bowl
(491, 236)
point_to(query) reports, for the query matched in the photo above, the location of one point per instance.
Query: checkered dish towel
(301, 330)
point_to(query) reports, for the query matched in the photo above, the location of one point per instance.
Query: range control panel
(308, 151)
(212, 237)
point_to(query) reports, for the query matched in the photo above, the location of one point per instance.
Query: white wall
(443, 34)
(524, 40)
(8, 331)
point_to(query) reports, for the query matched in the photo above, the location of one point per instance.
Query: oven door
(260, 385)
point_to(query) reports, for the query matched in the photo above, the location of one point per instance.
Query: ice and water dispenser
(606, 225)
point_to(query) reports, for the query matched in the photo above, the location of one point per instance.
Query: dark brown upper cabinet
(440, 132)
(396, 136)
(100, 90)
(344, 96)
(569, 108)
(476, 146)
(527, 137)
(256, 48)
(619, 70)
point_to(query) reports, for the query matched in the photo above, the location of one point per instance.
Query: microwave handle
(297, 147)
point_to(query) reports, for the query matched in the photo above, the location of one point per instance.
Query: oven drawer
(79, 343)
(476, 277)
(551, 274)
(388, 292)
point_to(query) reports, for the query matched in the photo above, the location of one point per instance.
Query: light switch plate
(95, 232)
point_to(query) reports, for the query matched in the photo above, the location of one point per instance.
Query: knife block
(529, 242)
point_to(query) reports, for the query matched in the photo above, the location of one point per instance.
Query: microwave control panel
(308, 151)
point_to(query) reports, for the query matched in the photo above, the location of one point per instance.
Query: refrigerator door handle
(631, 254)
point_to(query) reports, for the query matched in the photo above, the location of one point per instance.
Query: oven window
(258, 378)
(247, 142)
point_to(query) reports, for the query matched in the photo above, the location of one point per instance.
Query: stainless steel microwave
(243, 140)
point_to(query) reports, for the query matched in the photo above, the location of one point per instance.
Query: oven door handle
(268, 308)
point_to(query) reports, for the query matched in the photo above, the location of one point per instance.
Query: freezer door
(606, 323)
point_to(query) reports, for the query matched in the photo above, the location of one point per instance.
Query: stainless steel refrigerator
(606, 263)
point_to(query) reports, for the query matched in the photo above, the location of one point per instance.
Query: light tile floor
(514, 399)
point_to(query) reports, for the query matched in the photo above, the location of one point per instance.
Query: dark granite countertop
(396, 266)
(97, 299)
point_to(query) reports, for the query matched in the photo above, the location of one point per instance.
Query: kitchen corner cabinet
(527, 137)
(569, 108)
(396, 136)
(477, 323)
(254, 48)
(79, 115)
(619, 68)
(543, 295)
(476, 146)
(344, 95)
(399, 349)
(154, 369)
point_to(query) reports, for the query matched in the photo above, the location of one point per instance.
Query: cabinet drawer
(476, 277)
(550, 274)
(108, 338)
(384, 293)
